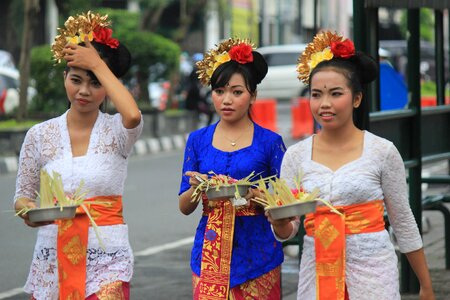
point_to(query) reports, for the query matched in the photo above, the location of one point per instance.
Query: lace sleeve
(127, 137)
(190, 163)
(393, 183)
(27, 182)
(277, 153)
(288, 173)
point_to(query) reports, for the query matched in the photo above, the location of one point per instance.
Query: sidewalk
(143, 146)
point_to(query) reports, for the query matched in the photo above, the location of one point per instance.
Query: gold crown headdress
(324, 46)
(239, 50)
(94, 26)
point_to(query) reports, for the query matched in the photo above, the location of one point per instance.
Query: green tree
(71, 7)
(146, 49)
(426, 24)
(186, 12)
(151, 13)
(30, 12)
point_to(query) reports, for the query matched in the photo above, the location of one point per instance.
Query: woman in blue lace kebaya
(235, 255)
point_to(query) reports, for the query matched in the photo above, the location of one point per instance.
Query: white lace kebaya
(104, 170)
(371, 262)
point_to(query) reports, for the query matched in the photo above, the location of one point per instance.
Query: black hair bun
(118, 59)
(367, 67)
(260, 66)
(123, 62)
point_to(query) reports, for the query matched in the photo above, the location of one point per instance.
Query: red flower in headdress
(103, 35)
(241, 53)
(344, 49)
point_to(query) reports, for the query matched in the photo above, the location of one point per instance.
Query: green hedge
(146, 49)
(49, 82)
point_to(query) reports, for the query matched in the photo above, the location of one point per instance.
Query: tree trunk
(5, 26)
(150, 18)
(31, 8)
(187, 11)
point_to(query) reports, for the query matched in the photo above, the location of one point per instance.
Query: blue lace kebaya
(255, 250)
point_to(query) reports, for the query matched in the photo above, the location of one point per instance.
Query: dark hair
(253, 72)
(118, 59)
(103, 106)
(359, 70)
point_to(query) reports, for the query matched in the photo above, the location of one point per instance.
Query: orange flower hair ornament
(325, 46)
(231, 49)
(94, 26)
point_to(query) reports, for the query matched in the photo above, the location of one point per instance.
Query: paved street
(161, 236)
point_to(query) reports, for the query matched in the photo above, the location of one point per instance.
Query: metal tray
(52, 213)
(226, 192)
(292, 210)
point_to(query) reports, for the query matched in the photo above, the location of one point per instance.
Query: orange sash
(329, 230)
(214, 281)
(73, 239)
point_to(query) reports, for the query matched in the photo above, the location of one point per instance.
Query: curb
(160, 144)
(8, 164)
(143, 146)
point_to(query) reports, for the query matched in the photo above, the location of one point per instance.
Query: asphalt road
(159, 234)
(150, 209)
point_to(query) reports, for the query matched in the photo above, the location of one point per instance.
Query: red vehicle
(9, 90)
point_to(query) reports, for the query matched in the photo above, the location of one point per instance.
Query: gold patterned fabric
(245, 210)
(214, 280)
(267, 286)
(117, 290)
(73, 239)
(329, 230)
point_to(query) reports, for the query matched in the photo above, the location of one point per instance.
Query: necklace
(233, 142)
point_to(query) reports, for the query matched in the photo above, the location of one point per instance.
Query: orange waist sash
(329, 230)
(73, 239)
(214, 281)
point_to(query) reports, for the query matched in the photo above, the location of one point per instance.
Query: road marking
(10, 293)
(146, 252)
(157, 249)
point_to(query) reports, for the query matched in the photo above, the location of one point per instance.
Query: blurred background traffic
(167, 37)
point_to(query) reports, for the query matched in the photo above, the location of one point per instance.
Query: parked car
(281, 81)
(398, 58)
(9, 90)
(159, 94)
(6, 60)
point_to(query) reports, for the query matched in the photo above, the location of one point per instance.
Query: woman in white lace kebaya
(83, 144)
(349, 256)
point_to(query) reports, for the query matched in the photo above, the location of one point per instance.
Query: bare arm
(418, 263)
(283, 228)
(185, 204)
(22, 203)
(87, 58)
